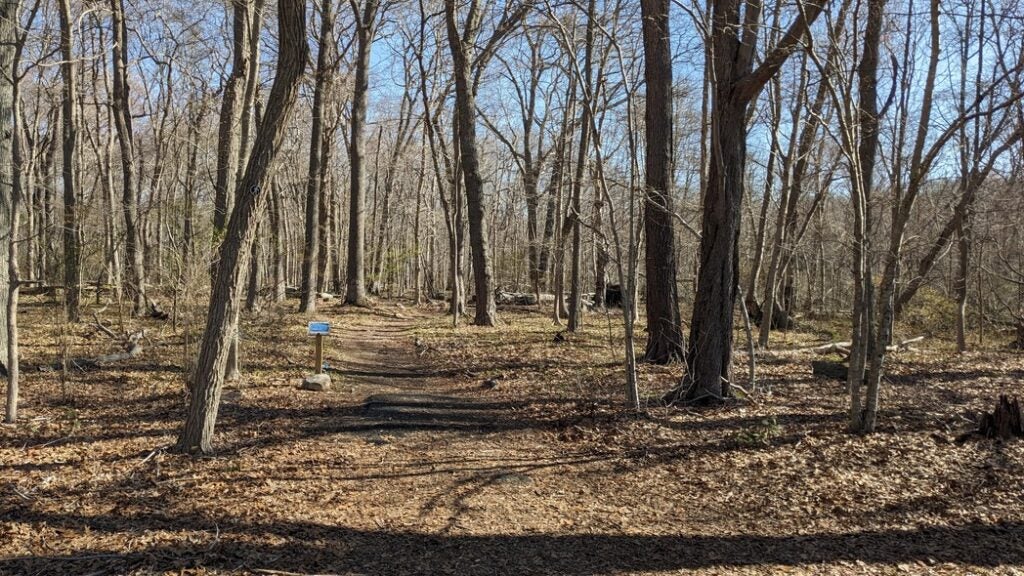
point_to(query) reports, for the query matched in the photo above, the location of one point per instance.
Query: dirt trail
(410, 465)
(376, 359)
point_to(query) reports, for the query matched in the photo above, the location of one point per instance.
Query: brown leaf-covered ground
(494, 451)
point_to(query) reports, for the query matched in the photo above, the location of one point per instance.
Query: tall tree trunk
(136, 279)
(736, 84)
(664, 326)
(863, 305)
(575, 272)
(197, 433)
(10, 166)
(69, 137)
(311, 244)
(465, 112)
(355, 274)
(228, 136)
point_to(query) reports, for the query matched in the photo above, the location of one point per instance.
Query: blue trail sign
(319, 328)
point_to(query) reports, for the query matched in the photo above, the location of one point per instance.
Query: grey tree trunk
(228, 136)
(311, 244)
(863, 305)
(69, 139)
(197, 433)
(664, 326)
(136, 278)
(9, 200)
(465, 112)
(355, 274)
(575, 209)
(736, 84)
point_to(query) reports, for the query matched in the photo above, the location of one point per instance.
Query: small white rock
(317, 382)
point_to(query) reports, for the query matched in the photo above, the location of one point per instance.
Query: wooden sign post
(319, 330)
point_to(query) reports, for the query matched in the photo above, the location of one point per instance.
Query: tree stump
(830, 370)
(1018, 343)
(1004, 422)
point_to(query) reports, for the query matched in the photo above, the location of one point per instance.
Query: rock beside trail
(317, 382)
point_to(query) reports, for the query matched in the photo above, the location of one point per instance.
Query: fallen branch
(132, 347)
(154, 309)
(843, 348)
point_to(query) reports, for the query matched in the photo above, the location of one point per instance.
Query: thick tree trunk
(711, 336)
(197, 434)
(736, 84)
(465, 112)
(664, 326)
(356, 270)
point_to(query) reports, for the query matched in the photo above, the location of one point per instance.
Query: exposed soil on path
(494, 451)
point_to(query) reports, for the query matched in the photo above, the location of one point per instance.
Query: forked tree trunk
(736, 84)
(136, 279)
(311, 244)
(465, 112)
(197, 434)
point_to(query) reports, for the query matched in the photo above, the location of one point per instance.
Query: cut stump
(1004, 422)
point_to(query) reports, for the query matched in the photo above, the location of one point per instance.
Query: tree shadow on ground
(226, 545)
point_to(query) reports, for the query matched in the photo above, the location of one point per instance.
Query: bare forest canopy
(715, 172)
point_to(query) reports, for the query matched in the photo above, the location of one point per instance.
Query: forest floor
(494, 451)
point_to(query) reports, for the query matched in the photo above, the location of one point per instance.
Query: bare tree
(468, 64)
(366, 27)
(72, 232)
(664, 327)
(129, 191)
(9, 201)
(323, 73)
(736, 83)
(197, 433)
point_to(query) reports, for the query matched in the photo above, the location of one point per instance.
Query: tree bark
(69, 138)
(664, 326)
(575, 271)
(311, 245)
(465, 113)
(136, 279)
(736, 84)
(355, 274)
(228, 137)
(10, 162)
(197, 434)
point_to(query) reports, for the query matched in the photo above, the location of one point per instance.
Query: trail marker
(319, 380)
(319, 329)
